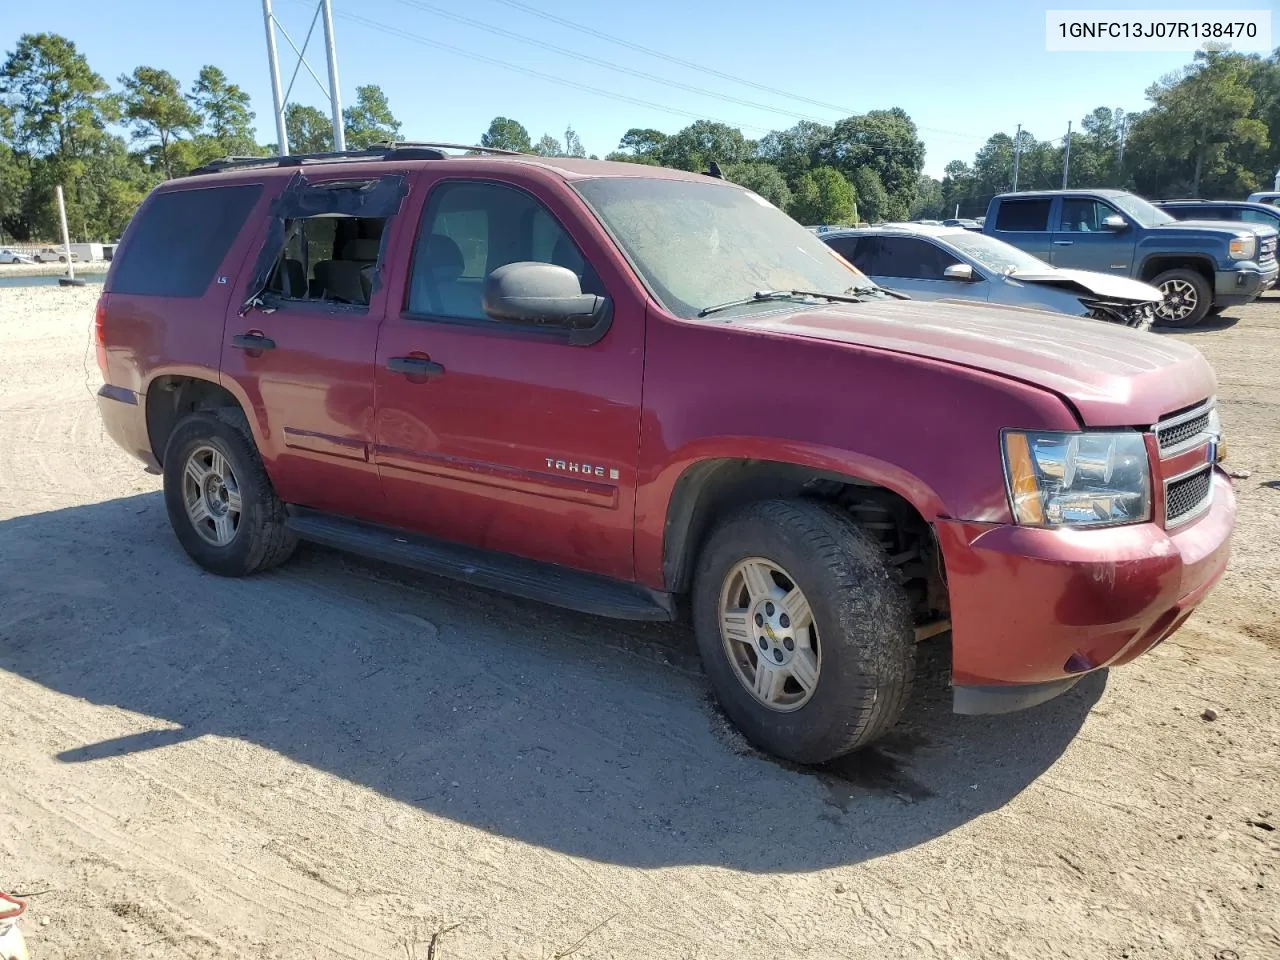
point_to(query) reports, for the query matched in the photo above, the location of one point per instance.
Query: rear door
(1024, 222)
(300, 354)
(1080, 242)
(500, 435)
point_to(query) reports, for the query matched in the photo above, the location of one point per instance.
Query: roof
(1247, 204)
(1098, 191)
(920, 229)
(398, 157)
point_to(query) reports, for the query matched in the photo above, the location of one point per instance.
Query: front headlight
(1243, 247)
(1077, 479)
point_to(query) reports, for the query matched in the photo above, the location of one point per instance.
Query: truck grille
(1267, 250)
(1186, 497)
(1180, 433)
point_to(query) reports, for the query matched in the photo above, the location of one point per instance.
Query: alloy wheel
(211, 495)
(1180, 300)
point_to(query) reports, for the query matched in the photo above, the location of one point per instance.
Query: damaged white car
(951, 263)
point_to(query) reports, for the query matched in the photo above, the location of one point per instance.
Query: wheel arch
(1158, 263)
(172, 396)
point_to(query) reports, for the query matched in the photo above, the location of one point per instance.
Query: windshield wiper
(857, 294)
(760, 296)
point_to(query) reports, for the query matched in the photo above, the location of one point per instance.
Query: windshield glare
(995, 254)
(1140, 210)
(702, 244)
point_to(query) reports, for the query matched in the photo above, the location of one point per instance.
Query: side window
(912, 259)
(1180, 213)
(857, 250)
(1082, 215)
(468, 230)
(180, 239)
(328, 258)
(1023, 216)
(1260, 216)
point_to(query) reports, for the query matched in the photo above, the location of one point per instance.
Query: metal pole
(1276, 185)
(1066, 159)
(66, 237)
(1017, 149)
(335, 98)
(282, 139)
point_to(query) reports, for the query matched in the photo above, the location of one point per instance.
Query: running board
(530, 579)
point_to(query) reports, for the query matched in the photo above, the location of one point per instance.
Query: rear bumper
(1036, 609)
(124, 417)
(1233, 288)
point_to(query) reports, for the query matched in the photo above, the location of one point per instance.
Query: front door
(916, 266)
(301, 355)
(500, 435)
(1081, 242)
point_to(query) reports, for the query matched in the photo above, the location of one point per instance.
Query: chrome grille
(1186, 497)
(1267, 249)
(1177, 434)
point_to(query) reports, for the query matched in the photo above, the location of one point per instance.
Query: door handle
(418, 367)
(252, 341)
(1063, 243)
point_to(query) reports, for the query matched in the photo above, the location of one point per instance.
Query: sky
(962, 71)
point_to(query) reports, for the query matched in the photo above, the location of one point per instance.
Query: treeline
(56, 121)
(1212, 129)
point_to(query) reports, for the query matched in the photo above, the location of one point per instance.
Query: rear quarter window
(180, 239)
(1023, 216)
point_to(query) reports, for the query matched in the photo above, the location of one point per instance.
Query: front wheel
(1187, 297)
(220, 501)
(804, 630)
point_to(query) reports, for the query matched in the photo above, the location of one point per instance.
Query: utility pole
(1066, 157)
(335, 98)
(1017, 149)
(273, 63)
(1124, 130)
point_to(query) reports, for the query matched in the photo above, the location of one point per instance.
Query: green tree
(548, 146)
(56, 103)
(883, 141)
(643, 144)
(369, 119)
(506, 134)
(307, 129)
(623, 157)
(763, 179)
(792, 151)
(822, 195)
(694, 147)
(224, 113)
(873, 200)
(573, 144)
(927, 204)
(156, 110)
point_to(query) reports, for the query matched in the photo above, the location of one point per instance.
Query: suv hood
(1225, 226)
(1089, 282)
(1113, 376)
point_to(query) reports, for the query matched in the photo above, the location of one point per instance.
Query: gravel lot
(341, 759)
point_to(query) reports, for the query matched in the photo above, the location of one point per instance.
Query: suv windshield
(1140, 210)
(996, 254)
(701, 244)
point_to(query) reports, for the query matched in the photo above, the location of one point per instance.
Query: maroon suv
(610, 387)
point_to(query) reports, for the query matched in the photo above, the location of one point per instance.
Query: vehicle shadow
(1224, 321)
(576, 734)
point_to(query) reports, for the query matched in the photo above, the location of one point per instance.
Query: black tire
(1201, 290)
(863, 622)
(62, 259)
(260, 540)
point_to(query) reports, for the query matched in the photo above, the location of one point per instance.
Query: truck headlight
(1077, 479)
(1243, 247)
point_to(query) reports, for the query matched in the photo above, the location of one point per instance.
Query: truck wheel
(220, 501)
(1187, 298)
(804, 630)
(62, 259)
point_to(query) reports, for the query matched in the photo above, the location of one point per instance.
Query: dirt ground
(339, 759)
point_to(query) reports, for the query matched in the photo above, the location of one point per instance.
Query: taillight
(100, 333)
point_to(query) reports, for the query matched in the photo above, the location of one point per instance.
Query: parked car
(1236, 210)
(933, 263)
(54, 255)
(635, 392)
(962, 222)
(13, 256)
(1265, 196)
(1201, 268)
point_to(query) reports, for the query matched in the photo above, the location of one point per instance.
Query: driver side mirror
(958, 271)
(546, 295)
(1114, 223)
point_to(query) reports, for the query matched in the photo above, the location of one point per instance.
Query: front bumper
(1244, 284)
(1033, 610)
(124, 417)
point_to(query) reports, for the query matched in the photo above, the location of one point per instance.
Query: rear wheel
(804, 630)
(220, 501)
(1187, 298)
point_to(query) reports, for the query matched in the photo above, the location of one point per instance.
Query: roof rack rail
(381, 150)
